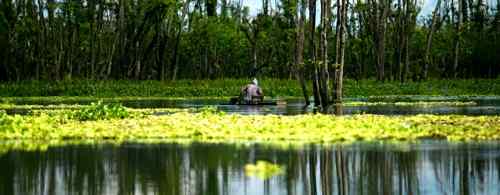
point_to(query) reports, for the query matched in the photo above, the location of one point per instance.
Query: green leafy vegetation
(133, 90)
(100, 111)
(6, 122)
(207, 126)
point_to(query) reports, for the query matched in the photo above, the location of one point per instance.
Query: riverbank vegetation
(133, 90)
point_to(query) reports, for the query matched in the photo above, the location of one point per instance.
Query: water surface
(484, 105)
(428, 167)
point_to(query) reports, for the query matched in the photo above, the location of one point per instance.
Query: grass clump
(101, 111)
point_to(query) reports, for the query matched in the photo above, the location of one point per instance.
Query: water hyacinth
(99, 111)
(217, 126)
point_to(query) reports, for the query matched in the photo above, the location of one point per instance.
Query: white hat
(254, 81)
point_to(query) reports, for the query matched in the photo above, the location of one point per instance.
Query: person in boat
(251, 93)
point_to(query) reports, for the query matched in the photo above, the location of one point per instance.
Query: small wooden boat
(235, 101)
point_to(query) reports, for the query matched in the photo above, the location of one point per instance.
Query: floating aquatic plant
(309, 128)
(99, 111)
(263, 169)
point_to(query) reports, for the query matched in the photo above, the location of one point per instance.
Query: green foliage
(101, 111)
(6, 122)
(158, 39)
(231, 87)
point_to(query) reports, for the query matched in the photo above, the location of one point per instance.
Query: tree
(312, 52)
(199, 39)
(251, 30)
(408, 26)
(340, 49)
(458, 33)
(299, 49)
(323, 51)
(378, 12)
(432, 29)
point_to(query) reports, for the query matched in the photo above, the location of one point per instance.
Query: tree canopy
(198, 39)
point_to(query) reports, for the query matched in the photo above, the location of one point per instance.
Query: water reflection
(362, 168)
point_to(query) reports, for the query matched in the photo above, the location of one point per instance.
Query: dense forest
(210, 39)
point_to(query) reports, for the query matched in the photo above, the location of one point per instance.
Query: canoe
(273, 103)
(234, 101)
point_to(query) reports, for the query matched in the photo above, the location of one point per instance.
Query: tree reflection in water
(361, 168)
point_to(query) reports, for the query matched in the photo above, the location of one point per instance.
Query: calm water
(429, 167)
(362, 168)
(484, 106)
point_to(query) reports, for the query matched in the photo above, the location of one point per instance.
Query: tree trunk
(299, 49)
(400, 41)
(211, 7)
(323, 45)
(162, 42)
(110, 59)
(312, 21)
(340, 49)
(91, 12)
(122, 28)
(185, 11)
(407, 57)
(42, 41)
(457, 39)
(406, 34)
(254, 58)
(381, 41)
(428, 45)
(379, 12)
(138, 60)
(265, 7)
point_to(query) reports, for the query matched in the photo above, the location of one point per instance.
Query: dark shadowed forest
(199, 39)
